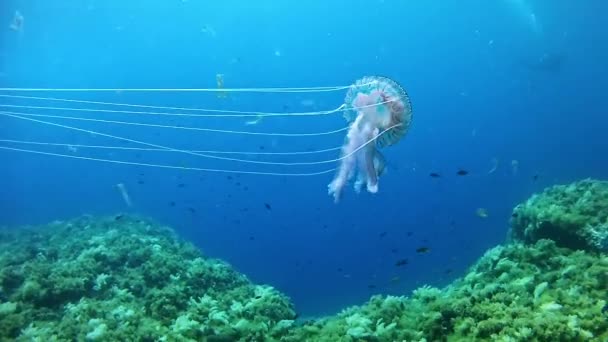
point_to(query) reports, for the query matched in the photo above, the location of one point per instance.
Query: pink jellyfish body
(380, 113)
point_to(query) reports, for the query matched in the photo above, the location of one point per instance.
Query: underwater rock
(516, 292)
(133, 280)
(575, 216)
(126, 280)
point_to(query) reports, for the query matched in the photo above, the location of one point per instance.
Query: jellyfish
(129, 132)
(379, 114)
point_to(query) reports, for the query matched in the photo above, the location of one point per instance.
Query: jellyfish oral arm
(357, 159)
(366, 162)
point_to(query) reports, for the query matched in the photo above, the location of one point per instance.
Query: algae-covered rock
(123, 278)
(126, 279)
(574, 216)
(517, 292)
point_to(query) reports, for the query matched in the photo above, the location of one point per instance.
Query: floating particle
(514, 166)
(307, 103)
(255, 121)
(17, 22)
(494, 166)
(219, 80)
(125, 195)
(208, 30)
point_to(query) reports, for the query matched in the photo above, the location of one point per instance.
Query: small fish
(401, 262)
(410, 234)
(395, 279)
(268, 207)
(394, 250)
(423, 250)
(448, 271)
(172, 204)
(251, 238)
(140, 182)
(371, 286)
(462, 172)
(181, 185)
(535, 178)
(118, 217)
(383, 234)
(605, 309)
(434, 175)
(192, 210)
(515, 215)
(481, 212)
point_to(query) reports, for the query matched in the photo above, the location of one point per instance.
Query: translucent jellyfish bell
(380, 113)
(391, 107)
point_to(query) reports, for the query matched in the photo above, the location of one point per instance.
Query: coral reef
(574, 216)
(124, 278)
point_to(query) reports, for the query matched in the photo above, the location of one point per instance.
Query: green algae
(573, 215)
(124, 278)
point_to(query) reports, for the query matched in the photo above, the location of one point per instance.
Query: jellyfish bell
(380, 114)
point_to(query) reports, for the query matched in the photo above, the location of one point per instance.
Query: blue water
(519, 82)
